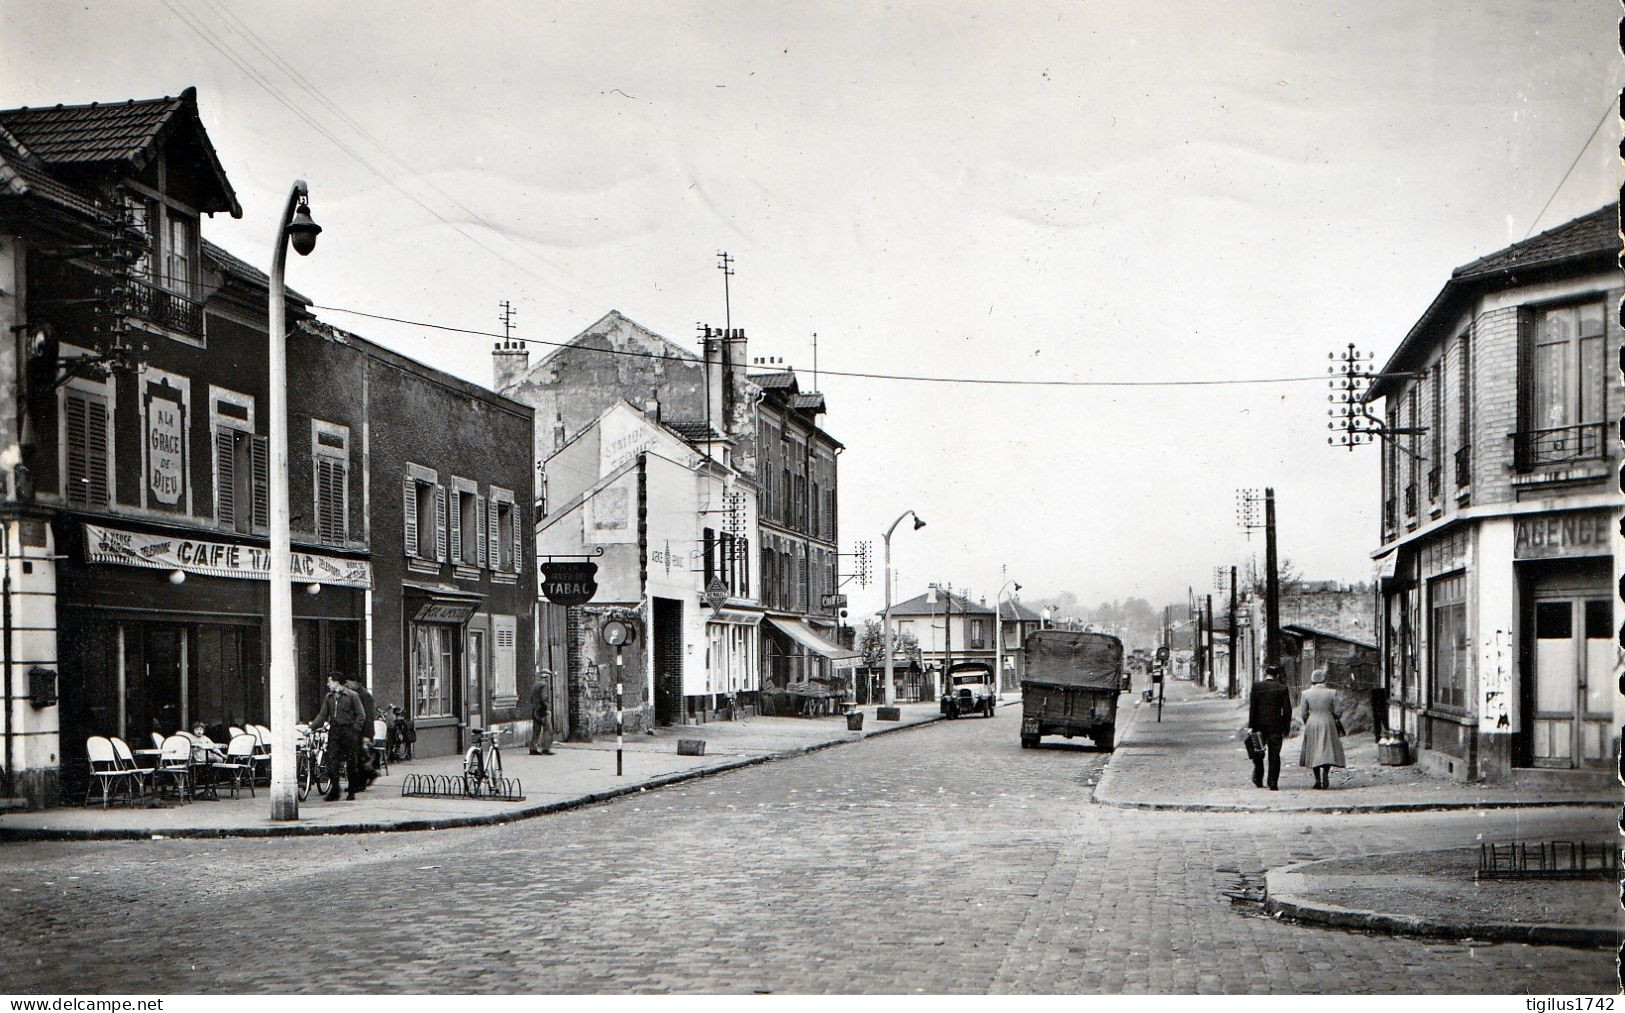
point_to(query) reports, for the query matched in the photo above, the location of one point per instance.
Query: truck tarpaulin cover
(1067, 658)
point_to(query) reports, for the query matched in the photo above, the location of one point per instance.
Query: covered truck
(1071, 686)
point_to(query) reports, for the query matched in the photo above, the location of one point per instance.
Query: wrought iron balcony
(1561, 445)
(1464, 467)
(1435, 480)
(1410, 500)
(168, 309)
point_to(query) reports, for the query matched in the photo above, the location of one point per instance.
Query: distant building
(1500, 511)
(952, 629)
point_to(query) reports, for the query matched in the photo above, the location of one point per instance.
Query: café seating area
(181, 767)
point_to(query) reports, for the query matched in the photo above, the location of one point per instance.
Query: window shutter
(1526, 387)
(454, 521)
(75, 410)
(96, 455)
(484, 555)
(710, 556)
(330, 506)
(225, 467)
(341, 501)
(410, 503)
(518, 539)
(260, 462)
(493, 525)
(440, 523)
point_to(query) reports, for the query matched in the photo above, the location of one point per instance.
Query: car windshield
(969, 680)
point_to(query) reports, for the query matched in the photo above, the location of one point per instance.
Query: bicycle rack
(497, 789)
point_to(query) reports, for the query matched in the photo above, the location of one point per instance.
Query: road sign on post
(716, 593)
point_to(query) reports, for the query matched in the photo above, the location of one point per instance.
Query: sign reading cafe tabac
(216, 559)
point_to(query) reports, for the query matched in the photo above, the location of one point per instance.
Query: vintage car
(970, 690)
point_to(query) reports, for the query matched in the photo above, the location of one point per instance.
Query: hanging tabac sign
(569, 583)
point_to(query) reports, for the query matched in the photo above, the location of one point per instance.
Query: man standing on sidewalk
(541, 732)
(343, 715)
(1270, 714)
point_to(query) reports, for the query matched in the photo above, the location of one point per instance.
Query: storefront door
(155, 677)
(1573, 661)
(474, 690)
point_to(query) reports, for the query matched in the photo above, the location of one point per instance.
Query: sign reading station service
(216, 559)
(569, 583)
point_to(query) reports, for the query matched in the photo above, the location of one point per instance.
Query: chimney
(558, 432)
(734, 357)
(651, 407)
(510, 361)
(715, 409)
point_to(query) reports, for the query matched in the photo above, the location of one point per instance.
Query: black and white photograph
(911, 498)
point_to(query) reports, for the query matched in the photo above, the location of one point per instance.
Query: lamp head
(918, 524)
(302, 231)
(1018, 587)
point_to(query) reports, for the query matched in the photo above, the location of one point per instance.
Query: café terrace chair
(175, 764)
(106, 771)
(262, 750)
(380, 745)
(239, 763)
(142, 775)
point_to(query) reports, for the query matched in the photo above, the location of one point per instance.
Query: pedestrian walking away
(1269, 713)
(541, 730)
(1322, 729)
(369, 766)
(343, 714)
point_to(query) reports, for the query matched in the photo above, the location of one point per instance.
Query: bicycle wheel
(321, 777)
(473, 771)
(494, 769)
(306, 776)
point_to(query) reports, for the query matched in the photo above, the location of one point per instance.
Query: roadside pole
(1230, 691)
(1272, 586)
(1212, 677)
(619, 726)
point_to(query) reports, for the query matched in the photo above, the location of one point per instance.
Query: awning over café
(803, 634)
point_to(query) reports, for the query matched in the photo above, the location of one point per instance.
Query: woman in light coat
(1320, 714)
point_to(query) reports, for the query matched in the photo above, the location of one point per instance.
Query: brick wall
(1349, 611)
(593, 675)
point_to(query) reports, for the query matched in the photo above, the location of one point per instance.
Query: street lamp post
(885, 621)
(998, 637)
(296, 227)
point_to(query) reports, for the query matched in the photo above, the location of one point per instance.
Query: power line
(1612, 99)
(908, 377)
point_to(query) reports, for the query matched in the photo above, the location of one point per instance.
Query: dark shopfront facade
(143, 650)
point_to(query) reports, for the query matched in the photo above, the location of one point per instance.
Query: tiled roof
(1597, 232)
(22, 174)
(231, 264)
(811, 401)
(1014, 609)
(775, 381)
(692, 429)
(1575, 243)
(101, 133)
(919, 606)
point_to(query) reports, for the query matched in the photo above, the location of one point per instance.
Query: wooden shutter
(454, 522)
(504, 655)
(1521, 458)
(330, 506)
(96, 453)
(518, 538)
(260, 463)
(710, 556)
(483, 556)
(225, 477)
(440, 523)
(74, 411)
(409, 502)
(493, 525)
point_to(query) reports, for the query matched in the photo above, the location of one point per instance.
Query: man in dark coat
(1269, 713)
(369, 766)
(541, 731)
(343, 716)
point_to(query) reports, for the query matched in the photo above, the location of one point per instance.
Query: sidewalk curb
(1280, 900)
(1102, 796)
(8, 834)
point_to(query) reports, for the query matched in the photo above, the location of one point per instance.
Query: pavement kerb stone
(484, 819)
(1280, 899)
(1104, 795)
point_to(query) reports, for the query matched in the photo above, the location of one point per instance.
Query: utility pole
(725, 265)
(1272, 585)
(507, 320)
(1230, 690)
(1210, 665)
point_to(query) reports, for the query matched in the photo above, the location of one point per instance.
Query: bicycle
(482, 763)
(313, 772)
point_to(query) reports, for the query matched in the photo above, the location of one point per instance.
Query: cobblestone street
(942, 859)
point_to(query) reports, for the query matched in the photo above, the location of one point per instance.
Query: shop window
(88, 454)
(1449, 641)
(330, 454)
(434, 669)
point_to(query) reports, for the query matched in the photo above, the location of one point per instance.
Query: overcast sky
(1089, 191)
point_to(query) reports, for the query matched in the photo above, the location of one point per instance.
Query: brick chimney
(510, 361)
(715, 369)
(558, 432)
(651, 405)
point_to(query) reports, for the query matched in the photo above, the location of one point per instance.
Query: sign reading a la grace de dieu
(1559, 535)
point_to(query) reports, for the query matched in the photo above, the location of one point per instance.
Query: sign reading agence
(1550, 536)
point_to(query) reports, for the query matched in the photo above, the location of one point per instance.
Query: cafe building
(134, 443)
(1499, 553)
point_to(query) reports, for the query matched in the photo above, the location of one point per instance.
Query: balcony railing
(1435, 480)
(1561, 445)
(169, 310)
(1464, 467)
(1410, 500)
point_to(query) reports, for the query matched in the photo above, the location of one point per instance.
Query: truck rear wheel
(1104, 738)
(1029, 742)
